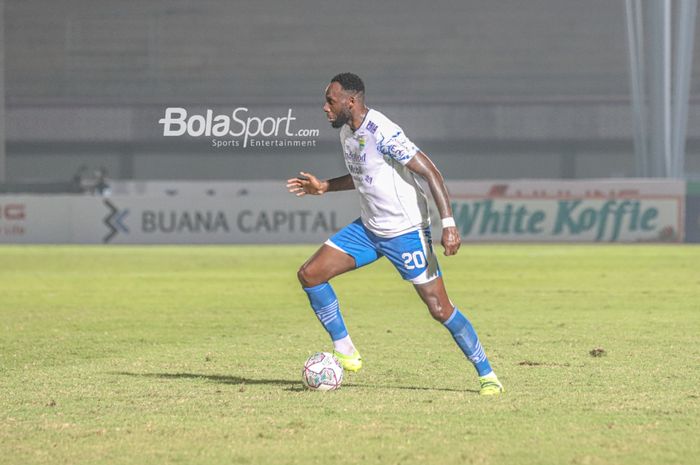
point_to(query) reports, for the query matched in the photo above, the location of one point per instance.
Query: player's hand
(451, 240)
(306, 183)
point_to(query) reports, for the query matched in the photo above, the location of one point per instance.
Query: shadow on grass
(224, 379)
(406, 388)
(292, 385)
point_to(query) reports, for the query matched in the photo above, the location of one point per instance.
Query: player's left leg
(413, 256)
(435, 297)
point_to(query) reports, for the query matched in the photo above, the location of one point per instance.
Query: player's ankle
(344, 346)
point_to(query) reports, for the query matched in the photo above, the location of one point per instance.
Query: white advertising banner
(621, 210)
(43, 219)
(542, 211)
(574, 220)
(174, 220)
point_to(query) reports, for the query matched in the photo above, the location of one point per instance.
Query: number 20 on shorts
(414, 260)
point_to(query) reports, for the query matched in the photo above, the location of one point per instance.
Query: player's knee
(438, 310)
(302, 276)
(306, 277)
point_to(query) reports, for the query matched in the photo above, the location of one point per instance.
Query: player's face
(338, 105)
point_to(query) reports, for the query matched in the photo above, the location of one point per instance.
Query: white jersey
(392, 200)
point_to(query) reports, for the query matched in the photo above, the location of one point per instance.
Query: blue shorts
(411, 253)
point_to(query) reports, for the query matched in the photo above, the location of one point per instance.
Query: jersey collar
(364, 121)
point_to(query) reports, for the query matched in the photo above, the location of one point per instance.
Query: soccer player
(384, 167)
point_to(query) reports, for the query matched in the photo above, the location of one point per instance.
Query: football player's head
(345, 93)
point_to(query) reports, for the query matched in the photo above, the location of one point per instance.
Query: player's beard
(342, 118)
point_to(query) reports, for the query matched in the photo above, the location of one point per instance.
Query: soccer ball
(322, 372)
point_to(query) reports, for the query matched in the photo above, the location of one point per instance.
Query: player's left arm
(423, 166)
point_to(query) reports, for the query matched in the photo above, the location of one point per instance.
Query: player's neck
(359, 118)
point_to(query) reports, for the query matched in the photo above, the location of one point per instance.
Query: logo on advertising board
(158, 222)
(596, 220)
(114, 221)
(12, 219)
(586, 210)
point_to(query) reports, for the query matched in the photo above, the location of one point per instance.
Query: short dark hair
(349, 81)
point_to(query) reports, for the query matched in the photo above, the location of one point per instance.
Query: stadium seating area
(264, 51)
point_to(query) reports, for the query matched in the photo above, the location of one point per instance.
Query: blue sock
(325, 305)
(467, 340)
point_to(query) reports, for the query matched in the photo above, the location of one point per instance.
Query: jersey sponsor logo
(397, 147)
(355, 169)
(353, 151)
(356, 157)
(371, 127)
(397, 152)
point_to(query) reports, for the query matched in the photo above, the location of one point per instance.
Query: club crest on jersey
(354, 151)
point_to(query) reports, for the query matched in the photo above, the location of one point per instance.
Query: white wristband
(448, 222)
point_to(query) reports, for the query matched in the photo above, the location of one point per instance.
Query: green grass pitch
(134, 355)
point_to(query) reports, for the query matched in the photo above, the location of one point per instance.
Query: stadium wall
(488, 89)
(257, 212)
(467, 141)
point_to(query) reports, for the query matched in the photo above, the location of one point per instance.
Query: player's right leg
(325, 264)
(348, 249)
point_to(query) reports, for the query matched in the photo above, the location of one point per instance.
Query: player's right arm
(307, 183)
